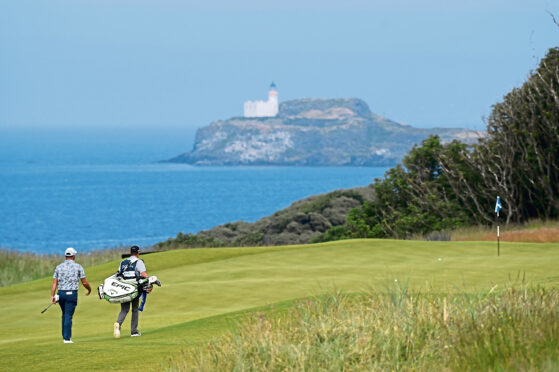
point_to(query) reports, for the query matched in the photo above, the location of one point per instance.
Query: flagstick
(497, 209)
(498, 240)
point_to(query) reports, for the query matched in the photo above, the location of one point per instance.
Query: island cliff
(311, 132)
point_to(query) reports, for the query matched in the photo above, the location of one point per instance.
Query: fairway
(205, 290)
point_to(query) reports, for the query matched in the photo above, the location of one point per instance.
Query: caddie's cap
(134, 249)
(70, 252)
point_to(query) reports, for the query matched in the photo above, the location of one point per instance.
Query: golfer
(131, 268)
(66, 277)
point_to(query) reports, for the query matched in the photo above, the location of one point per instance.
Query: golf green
(205, 290)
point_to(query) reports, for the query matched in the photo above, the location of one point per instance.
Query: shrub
(188, 241)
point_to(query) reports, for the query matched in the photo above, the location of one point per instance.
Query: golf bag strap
(121, 269)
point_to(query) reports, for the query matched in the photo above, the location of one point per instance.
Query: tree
(519, 158)
(441, 186)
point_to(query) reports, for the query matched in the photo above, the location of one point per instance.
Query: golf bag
(116, 289)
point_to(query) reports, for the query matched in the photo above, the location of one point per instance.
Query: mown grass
(206, 291)
(514, 329)
(18, 267)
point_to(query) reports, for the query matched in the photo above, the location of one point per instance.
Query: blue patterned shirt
(68, 274)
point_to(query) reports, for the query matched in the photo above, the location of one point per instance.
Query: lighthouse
(259, 109)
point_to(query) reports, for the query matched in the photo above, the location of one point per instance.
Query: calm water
(80, 196)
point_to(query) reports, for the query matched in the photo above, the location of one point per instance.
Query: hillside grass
(206, 292)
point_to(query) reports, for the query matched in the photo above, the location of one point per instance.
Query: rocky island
(311, 132)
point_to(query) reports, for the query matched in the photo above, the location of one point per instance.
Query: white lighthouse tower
(259, 109)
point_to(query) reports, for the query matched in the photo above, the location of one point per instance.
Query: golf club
(126, 255)
(52, 303)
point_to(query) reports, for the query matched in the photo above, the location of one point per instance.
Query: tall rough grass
(535, 231)
(17, 267)
(515, 329)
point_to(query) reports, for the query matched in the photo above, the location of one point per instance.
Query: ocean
(71, 188)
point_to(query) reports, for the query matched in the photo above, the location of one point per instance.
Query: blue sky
(163, 63)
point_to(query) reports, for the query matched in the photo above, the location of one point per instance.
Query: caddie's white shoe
(116, 331)
(68, 341)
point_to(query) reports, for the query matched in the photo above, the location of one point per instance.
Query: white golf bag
(115, 289)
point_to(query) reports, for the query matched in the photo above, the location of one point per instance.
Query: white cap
(70, 252)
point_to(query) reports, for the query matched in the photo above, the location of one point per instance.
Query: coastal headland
(312, 132)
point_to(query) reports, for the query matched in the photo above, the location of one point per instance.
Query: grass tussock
(18, 267)
(515, 329)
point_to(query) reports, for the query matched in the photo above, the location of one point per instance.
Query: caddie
(132, 267)
(66, 277)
